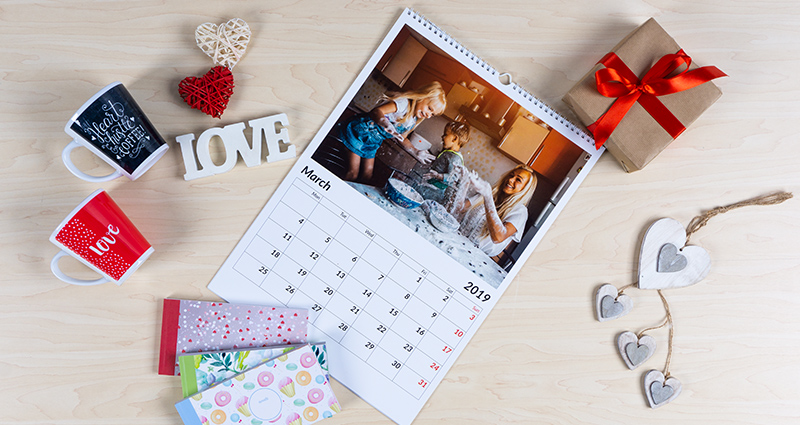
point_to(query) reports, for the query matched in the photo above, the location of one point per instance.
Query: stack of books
(244, 364)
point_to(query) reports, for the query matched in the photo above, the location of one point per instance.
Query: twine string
(621, 290)
(696, 224)
(652, 328)
(671, 333)
(701, 220)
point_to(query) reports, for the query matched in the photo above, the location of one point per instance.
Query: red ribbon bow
(617, 80)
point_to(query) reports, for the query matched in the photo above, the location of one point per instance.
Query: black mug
(115, 128)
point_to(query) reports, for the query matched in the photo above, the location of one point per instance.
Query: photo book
(189, 326)
(292, 389)
(202, 370)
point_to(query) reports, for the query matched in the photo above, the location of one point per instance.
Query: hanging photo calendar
(409, 214)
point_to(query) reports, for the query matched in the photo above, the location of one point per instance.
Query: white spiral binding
(447, 38)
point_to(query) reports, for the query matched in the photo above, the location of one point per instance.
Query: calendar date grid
(359, 303)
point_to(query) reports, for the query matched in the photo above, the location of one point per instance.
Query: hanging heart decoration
(635, 350)
(209, 93)
(609, 304)
(659, 389)
(666, 262)
(225, 43)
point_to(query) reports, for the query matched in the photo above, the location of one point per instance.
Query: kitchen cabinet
(556, 157)
(435, 67)
(523, 139)
(496, 108)
(403, 63)
(480, 122)
(458, 96)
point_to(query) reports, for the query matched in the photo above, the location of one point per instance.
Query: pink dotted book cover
(199, 326)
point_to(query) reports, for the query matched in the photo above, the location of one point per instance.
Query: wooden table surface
(71, 355)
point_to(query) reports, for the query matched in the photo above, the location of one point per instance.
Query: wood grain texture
(89, 355)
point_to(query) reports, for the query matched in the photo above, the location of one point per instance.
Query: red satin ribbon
(617, 80)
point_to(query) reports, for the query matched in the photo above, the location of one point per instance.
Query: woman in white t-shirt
(497, 215)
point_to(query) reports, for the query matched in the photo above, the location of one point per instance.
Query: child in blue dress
(395, 119)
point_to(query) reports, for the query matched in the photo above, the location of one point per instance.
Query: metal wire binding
(483, 64)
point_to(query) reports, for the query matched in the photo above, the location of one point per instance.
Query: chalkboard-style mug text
(113, 126)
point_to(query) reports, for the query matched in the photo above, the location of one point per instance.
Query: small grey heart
(660, 392)
(659, 389)
(669, 261)
(637, 354)
(610, 307)
(610, 304)
(635, 350)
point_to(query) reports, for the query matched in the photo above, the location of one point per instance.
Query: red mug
(100, 235)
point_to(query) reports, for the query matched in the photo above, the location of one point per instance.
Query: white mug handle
(65, 156)
(59, 274)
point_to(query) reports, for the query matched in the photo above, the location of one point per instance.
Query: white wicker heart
(225, 43)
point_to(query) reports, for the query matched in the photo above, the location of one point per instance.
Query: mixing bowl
(402, 194)
(441, 219)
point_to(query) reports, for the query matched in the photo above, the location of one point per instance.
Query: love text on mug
(102, 245)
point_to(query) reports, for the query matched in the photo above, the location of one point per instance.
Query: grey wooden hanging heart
(664, 261)
(659, 389)
(634, 350)
(609, 304)
(669, 261)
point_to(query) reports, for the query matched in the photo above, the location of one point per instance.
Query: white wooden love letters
(664, 261)
(234, 140)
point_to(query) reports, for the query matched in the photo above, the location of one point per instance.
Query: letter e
(267, 126)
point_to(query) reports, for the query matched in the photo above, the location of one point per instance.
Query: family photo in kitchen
(450, 156)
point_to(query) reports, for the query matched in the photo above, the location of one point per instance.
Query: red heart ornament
(209, 93)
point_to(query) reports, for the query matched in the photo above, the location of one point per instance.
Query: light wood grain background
(71, 355)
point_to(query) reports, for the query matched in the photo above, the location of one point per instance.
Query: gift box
(644, 131)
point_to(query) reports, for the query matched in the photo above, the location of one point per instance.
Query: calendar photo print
(408, 215)
(451, 156)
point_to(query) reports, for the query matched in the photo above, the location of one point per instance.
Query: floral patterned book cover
(198, 326)
(201, 371)
(292, 389)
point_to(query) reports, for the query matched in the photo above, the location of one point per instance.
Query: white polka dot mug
(113, 126)
(98, 234)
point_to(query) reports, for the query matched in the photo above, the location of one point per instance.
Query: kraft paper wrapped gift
(639, 137)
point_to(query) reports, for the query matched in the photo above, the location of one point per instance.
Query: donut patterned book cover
(200, 371)
(291, 389)
(199, 326)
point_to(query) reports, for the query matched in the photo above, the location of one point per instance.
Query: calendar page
(384, 234)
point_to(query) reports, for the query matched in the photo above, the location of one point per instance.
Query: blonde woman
(497, 215)
(394, 119)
